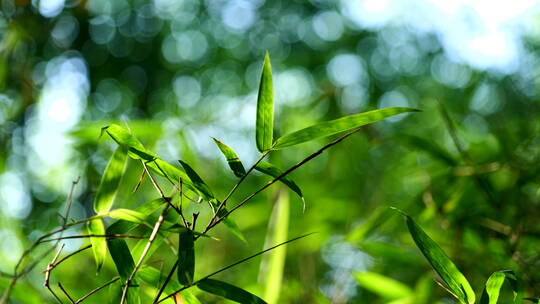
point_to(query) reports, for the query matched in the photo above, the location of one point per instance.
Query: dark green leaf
(198, 183)
(269, 169)
(99, 244)
(229, 291)
(494, 284)
(339, 125)
(454, 280)
(110, 181)
(186, 257)
(232, 159)
(265, 108)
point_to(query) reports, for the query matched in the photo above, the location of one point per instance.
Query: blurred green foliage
(181, 72)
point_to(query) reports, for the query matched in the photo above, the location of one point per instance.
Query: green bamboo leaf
(153, 277)
(265, 108)
(137, 151)
(328, 128)
(128, 215)
(454, 280)
(232, 159)
(198, 183)
(186, 257)
(273, 264)
(383, 286)
(269, 169)
(494, 284)
(99, 244)
(229, 292)
(110, 181)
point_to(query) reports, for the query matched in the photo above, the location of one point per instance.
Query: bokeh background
(179, 72)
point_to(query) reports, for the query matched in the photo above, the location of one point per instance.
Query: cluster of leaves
(189, 184)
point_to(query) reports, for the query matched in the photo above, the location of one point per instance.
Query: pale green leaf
(383, 286)
(99, 244)
(265, 108)
(328, 128)
(155, 278)
(494, 284)
(273, 264)
(110, 181)
(128, 215)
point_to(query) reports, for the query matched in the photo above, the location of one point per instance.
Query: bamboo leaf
(128, 215)
(99, 244)
(137, 151)
(383, 286)
(494, 284)
(328, 128)
(269, 169)
(273, 264)
(186, 257)
(454, 280)
(229, 292)
(265, 108)
(110, 181)
(231, 224)
(232, 159)
(198, 183)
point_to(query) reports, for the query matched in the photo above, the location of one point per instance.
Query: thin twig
(48, 274)
(232, 265)
(66, 293)
(151, 239)
(288, 171)
(224, 202)
(109, 236)
(171, 272)
(96, 290)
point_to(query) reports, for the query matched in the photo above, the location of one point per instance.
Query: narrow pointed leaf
(273, 264)
(383, 286)
(454, 280)
(198, 183)
(186, 257)
(265, 109)
(99, 244)
(328, 128)
(269, 169)
(232, 159)
(231, 224)
(494, 284)
(229, 292)
(137, 151)
(128, 215)
(110, 181)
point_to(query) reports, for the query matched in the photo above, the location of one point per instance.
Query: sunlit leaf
(494, 284)
(454, 280)
(265, 108)
(229, 291)
(110, 181)
(186, 257)
(232, 159)
(198, 183)
(383, 286)
(99, 244)
(128, 215)
(89, 131)
(269, 169)
(347, 123)
(273, 264)
(137, 151)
